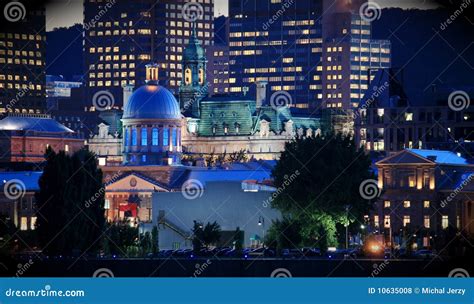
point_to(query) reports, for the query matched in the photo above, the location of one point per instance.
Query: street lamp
(261, 222)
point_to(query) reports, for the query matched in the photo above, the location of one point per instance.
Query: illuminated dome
(152, 101)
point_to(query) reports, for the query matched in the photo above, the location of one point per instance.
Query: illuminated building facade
(426, 193)
(350, 56)
(22, 64)
(279, 42)
(130, 35)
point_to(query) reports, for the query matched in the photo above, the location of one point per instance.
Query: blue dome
(152, 102)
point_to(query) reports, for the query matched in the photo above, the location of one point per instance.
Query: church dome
(152, 101)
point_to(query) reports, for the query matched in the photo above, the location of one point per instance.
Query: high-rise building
(318, 52)
(350, 56)
(218, 58)
(121, 37)
(22, 60)
(279, 42)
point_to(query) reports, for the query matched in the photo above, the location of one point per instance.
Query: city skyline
(59, 14)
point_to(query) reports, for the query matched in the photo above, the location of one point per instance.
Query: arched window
(134, 136)
(166, 136)
(144, 137)
(187, 76)
(201, 76)
(154, 137)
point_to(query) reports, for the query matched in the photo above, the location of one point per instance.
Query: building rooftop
(38, 123)
(26, 180)
(441, 157)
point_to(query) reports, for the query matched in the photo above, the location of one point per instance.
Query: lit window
(24, 223)
(386, 204)
(406, 220)
(144, 158)
(33, 222)
(166, 137)
(154, 137)
(426, 204)
(409, 116)
(386, 221)
(144, 137)
(175, 137)
(444, 221)
(426, 221)
(411, 181)
(376, 221)
(406, 204)
(134, 137)
(107, 204)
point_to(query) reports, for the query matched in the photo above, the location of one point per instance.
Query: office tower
(121, 37)
(22, 59)
(350, 56)
(218, 58)
(279, 42)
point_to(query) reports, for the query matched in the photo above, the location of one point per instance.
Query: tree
(238, 239)
(154, 240)
(284, 233)
(197, 236)
(121, 239)
(211, 234)
(71, 203)
(318, 180)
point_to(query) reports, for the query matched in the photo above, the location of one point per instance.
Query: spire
(194, 37)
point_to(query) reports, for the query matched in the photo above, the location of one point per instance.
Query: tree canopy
(318, 180)
(70, 203)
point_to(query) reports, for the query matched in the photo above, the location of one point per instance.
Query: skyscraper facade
(278, 41)
(121, 37)
(22, 60)
(350, 56)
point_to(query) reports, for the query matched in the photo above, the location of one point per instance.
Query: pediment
(405, 157)
(135, 183)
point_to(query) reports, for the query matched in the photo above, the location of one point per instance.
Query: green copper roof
(219, 114)
(194, 51)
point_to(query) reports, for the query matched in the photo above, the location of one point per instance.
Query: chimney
(261, 93)
(127, 92)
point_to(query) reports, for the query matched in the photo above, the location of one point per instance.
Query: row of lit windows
(199, 25)
(368, 50)
(407, 221)
(248, 34)
(21, 53)
(273, 70)
(115, 66)
(131, 137)
(109, 83)
(21, 61)
(120, 32)
(18, 86)
(18, 37)
(298, 22)
(115, 75)
(246, 53)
